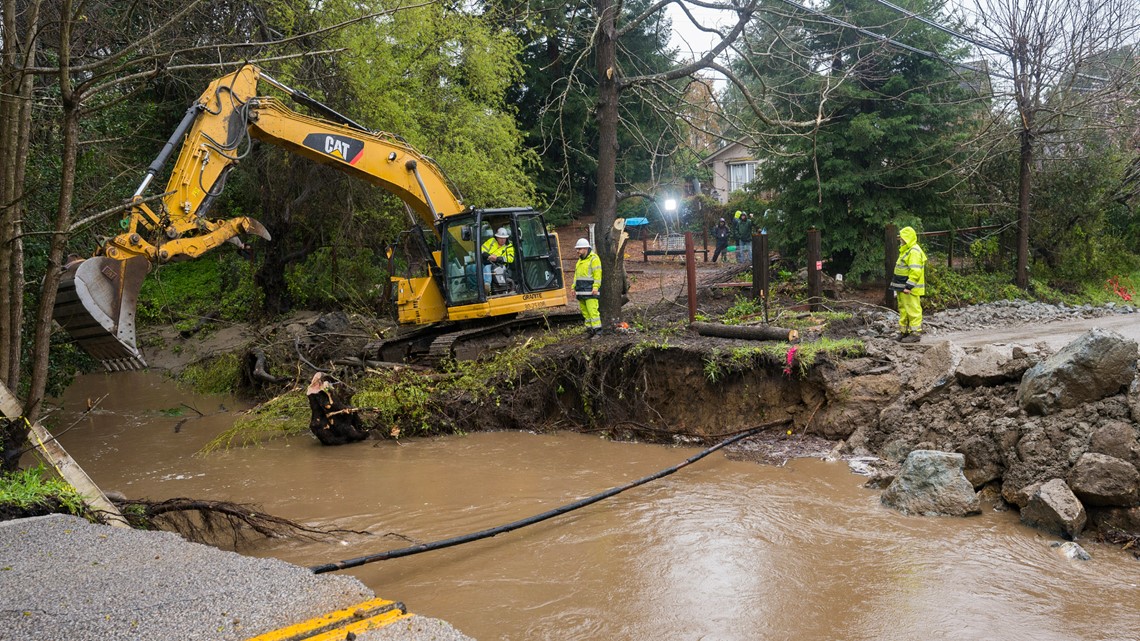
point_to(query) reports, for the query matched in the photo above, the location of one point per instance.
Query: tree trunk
(613, 267)
(41, 343)
(1024, 185)
(18, 170)
(9, 108)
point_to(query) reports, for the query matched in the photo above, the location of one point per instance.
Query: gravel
(65, 578)
(998, 314)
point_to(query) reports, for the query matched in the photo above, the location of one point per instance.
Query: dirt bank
(660, 382)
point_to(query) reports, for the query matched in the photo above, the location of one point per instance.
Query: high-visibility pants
(589, 307)
(910, 313)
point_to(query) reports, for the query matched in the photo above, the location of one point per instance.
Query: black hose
(484, 534)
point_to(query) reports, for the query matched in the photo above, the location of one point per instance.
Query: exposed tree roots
(214, 522)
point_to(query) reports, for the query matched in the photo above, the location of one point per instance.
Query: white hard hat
(582, 244)
(502, 233)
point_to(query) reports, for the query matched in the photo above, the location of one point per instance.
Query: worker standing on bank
(587, 280)
(910, 283)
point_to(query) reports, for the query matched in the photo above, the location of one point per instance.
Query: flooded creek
(721, 550)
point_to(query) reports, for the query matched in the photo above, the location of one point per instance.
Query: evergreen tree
(892, 123)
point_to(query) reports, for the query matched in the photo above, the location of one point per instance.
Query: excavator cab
(495, 259)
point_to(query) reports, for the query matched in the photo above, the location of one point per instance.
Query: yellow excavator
(98, 296)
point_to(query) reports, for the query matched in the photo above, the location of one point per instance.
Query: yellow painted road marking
(368, 615)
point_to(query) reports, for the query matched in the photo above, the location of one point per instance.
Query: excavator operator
(497, 252)
(499, 249)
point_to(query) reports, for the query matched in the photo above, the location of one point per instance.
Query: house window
(740, 174)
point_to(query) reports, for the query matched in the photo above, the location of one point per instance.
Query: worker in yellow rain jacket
(497, 251)
(910, 283)
(587, 280)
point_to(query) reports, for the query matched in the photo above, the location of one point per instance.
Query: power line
(891, 41)
(946, 30)
(976, 43)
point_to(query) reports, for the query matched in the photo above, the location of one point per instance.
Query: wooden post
(890, 257)
(815, 266)
(760, 285)
(950, 250)
(644, 247)
(691, 275)
(68, 469)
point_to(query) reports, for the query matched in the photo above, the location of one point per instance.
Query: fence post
(890, 257)
(760, 270)
(691, 276)
(815, 266)
(950, 250)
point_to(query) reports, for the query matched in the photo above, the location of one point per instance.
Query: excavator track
(440, 342)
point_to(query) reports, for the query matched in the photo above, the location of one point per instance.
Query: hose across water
(488, 533)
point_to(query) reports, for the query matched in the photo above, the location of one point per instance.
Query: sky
(692, 42)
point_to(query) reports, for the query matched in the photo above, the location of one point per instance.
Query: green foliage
(647, 345)
(895, 121)
(402, 401)
(437, 75)
(218, 375)
(187, 291)
(985, 252)
(33, 488)
(284, 415)
(556, 98)
(328, 278)
(743, 308)
(722, 362)
(945, 289)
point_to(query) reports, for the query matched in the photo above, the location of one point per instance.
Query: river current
(720, 550)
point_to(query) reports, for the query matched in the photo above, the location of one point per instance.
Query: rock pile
(1056, 436)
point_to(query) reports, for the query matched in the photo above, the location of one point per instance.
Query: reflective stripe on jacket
(910, 269)
(587, 275)
(506, 251)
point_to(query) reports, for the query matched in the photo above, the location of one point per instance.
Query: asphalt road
(1056, 334)
(64, 578)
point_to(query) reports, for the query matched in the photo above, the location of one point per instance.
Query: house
(733, 168)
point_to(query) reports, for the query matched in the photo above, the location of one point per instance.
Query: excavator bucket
(96, 304)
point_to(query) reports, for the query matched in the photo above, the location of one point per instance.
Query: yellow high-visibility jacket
(506, 251)
(910, 269)
(587, 275)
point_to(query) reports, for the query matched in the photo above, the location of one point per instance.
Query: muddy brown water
(721, 550)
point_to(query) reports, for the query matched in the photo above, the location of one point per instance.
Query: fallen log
(260, 372)
(746, 332)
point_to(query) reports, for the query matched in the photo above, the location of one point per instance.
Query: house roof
(724, 151)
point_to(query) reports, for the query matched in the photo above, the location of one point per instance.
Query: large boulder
(934, 372)
(856, 394)
(983, 460)
(1098, 364)
(1105, 481)
(1054, 508)
(931, 483)
(993, 365)
(1117, 438)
